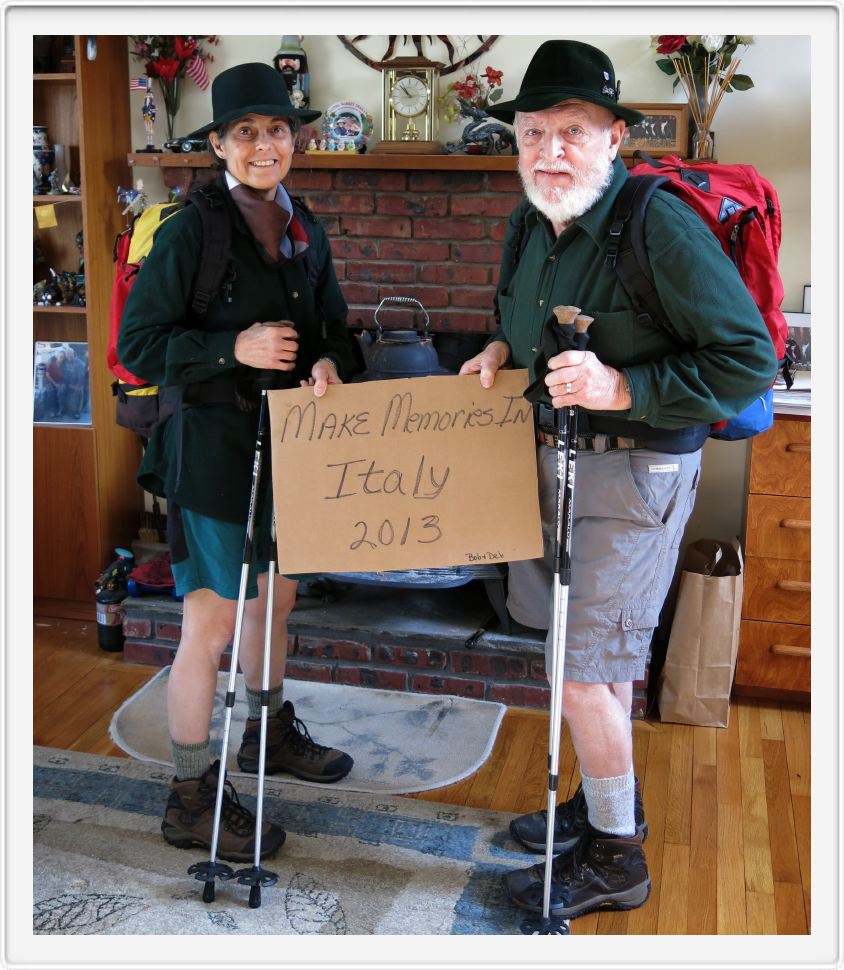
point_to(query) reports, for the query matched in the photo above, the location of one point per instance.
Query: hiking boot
(598, 873)
(569, 824)
(189, 819)
(290, 748)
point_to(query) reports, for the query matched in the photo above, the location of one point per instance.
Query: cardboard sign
(406, 474)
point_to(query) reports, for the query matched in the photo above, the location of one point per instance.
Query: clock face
(409, 96)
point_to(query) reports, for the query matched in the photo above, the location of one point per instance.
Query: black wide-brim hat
(250, 89)
(561, 70)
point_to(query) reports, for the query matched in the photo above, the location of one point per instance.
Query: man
(646, 406)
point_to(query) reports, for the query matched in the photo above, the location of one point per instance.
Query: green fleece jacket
(163, 343)
(727, 358)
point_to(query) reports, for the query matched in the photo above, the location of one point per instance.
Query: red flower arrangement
(474, 91)
(169, 59)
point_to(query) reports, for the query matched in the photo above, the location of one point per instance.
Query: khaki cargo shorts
(630, 510)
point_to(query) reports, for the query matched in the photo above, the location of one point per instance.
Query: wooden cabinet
(86, 500)
(774, 657)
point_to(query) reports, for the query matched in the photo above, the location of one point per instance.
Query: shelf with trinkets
(78, 102)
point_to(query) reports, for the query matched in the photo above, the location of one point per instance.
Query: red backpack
(742, 210)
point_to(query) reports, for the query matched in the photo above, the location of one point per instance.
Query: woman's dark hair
(294, 124)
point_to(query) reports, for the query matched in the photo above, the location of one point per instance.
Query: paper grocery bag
(700, 661)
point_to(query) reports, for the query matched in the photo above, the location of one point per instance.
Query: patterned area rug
(353, 864)
(401, 742)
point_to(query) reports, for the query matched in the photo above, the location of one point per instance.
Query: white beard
(564, 205)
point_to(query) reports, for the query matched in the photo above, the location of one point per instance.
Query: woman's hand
(268, 346)
(323, 373)
(488, 362)
(578, 377)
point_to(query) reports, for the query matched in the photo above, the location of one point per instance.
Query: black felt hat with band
(250, 89)
(562, 70)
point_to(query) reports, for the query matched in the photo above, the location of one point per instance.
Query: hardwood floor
(728, 810)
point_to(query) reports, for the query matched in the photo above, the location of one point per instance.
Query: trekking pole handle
(267, 377)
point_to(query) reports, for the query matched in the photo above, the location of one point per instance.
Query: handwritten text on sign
(406, 474)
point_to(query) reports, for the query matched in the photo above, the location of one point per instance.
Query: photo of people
(60, 385)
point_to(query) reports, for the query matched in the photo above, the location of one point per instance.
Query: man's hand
(268, 346)
(488, 362)
(323, 373)
(578, 377)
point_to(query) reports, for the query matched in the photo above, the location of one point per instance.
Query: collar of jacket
(595, 221)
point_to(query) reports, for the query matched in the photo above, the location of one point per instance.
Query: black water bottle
(110, 618)
(111, 590)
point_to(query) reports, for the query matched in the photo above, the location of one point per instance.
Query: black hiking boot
(290, 748)
(570, 821)
(189, 820)
(598, 873)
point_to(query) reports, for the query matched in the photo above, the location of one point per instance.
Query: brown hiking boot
(189, 819)
(600, 872)
(290, 748)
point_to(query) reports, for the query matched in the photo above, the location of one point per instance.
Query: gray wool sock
(275, 698)
(191, 760)
(610, 803)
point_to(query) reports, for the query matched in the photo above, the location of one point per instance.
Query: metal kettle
(393, 354)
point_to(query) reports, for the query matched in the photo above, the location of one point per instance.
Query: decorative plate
(346, 121)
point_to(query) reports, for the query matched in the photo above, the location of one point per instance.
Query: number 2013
(422, 531)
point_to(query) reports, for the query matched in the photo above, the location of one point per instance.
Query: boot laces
(571, 866)
(301, 740)
(236, 817)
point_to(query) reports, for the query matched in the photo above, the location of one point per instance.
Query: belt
(598, 443)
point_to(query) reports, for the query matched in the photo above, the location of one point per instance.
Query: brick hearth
(403, 640)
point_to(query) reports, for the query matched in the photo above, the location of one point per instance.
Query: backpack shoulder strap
(628, 255)
(215, 257)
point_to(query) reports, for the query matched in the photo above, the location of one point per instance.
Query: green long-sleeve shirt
(162, 343)
(727, 358)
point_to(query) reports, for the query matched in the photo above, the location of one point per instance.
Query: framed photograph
(798, 346)
(807, 298)
(60, 386)
(663, 131)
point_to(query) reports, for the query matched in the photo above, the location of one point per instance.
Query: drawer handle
(801, 524)
(796, 446)
(793, 586)
(789, 650)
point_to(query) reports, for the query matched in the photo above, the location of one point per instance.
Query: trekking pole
(207, 871)
(565, 427)
(258, 876)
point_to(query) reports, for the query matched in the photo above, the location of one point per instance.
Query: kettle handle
(402, 301)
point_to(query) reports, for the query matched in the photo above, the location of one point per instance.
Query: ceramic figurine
(312, 145)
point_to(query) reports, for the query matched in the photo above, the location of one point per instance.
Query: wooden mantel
(344, 160)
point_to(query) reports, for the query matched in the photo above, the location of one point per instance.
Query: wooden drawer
(777, 590)
(780, 459)
(774, 656)
(778, 527)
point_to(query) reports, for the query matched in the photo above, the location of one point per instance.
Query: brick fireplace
(424, 226)
(430, 227)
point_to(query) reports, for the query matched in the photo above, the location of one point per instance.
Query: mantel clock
(409, 106)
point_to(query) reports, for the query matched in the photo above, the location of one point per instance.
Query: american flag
(140, 83)
(196, 72)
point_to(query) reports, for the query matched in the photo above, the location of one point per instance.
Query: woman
(272, 320)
